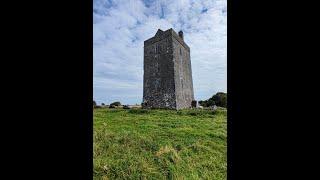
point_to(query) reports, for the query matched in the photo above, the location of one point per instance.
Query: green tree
(219, 99)
(203, 103)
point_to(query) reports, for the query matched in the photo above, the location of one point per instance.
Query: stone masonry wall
(159, 90)
(167, 72)
(183, 75)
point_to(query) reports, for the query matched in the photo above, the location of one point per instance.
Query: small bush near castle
(102, 104)
(117, 103)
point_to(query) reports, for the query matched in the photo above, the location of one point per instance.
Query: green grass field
(160, 144)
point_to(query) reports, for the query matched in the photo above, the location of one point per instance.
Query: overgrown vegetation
(160, 144)
(219, 99)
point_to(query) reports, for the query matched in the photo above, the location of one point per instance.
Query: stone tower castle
(167, 80)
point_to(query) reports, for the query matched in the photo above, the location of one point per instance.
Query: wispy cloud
(121, 26)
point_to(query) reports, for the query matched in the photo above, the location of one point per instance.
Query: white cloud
(121, 26)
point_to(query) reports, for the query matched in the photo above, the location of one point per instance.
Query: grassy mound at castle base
(160, 144)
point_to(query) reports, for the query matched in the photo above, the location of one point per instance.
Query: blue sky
(121, 26)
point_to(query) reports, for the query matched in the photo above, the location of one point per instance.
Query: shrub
(94, 103)
(112, 106)
(117, 103)
(102, 104)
